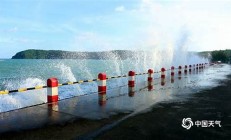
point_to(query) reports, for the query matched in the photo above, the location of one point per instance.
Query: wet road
(118, 101)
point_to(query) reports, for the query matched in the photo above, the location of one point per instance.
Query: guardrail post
(190, 68)
(172, 71)
(150, 79)
(131, 83)
(52, 90)
(172, 74)
(185, 69)
(162, 76)
(102, 88)
(179, 72)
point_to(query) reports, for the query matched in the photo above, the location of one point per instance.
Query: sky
(101, 25)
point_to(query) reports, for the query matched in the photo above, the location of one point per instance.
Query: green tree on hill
(221, 55)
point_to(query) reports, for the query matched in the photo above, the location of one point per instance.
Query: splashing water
(66, 72)
(29, 73)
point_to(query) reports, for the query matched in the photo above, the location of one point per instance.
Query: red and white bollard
(131, 83)
(150, 79)
(52, 90)
(162, 72)
(185, 69)
(172, 74)
(190, 68)
(179, 72)
(102, 88)
(172, 71)
(162, 76)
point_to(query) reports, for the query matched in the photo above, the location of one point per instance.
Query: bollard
(190, 68)
(162, 72)
(185, 69)
(197, 67)
(172, 71)
(162, 76)
(194, 66)
(200, 67)
(52, 90)
(102, 88)
(131, 83)
(172, 74)
(150, 79)
(179, 72)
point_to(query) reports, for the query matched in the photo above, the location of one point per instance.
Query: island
(59, 54)
(217, 55)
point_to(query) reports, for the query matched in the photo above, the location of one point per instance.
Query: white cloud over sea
(107, 25)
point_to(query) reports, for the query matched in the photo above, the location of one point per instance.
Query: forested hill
(58, 54)
(219, 55)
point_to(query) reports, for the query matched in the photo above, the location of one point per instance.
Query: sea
(26, 73)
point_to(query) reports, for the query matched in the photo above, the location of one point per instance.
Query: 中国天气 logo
(187, 123)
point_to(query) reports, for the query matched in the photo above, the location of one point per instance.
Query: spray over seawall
(36, 72)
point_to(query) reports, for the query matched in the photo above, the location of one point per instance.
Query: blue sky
(97, 25)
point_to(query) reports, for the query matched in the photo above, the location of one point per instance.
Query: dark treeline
(58, 54)
(221, 55)
(218, 55)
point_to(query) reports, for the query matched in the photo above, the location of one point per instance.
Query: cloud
(161, 23)
(11, 40)
(120, 8)
(90, 41)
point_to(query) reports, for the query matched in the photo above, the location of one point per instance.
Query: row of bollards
(52, 83)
